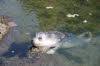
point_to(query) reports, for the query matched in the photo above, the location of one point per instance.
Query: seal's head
(47, 38)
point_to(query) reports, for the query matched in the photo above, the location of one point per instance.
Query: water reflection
(69, 56)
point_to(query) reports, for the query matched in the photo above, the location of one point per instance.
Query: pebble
(49, 7)
(12, 51)
(85, 21)
(72, 15)
(90, 13)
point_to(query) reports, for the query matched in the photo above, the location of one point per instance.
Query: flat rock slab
(42, 60)
(5, 24)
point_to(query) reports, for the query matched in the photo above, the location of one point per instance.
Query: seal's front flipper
(51, 51)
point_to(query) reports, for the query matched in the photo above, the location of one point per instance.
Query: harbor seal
(49, 41)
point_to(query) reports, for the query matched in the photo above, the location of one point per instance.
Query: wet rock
(34, 49)
(5, 24)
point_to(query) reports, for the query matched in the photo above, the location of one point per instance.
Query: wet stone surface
(4, 27)
(5, 24)
(36, 60)
(7, 33)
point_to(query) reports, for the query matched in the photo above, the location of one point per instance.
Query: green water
(26, 23)
(56, 18)
(32, 16)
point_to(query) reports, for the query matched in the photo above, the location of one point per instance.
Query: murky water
(26, 23)
(14, 48)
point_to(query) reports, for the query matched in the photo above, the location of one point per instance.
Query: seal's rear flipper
(87, 35)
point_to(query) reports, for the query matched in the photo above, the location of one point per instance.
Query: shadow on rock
(16, 49)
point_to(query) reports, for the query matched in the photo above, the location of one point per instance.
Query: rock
(5, 24)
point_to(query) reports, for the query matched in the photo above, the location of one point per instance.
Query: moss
(56, 19)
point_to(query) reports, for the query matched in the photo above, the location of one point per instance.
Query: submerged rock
(5, 24)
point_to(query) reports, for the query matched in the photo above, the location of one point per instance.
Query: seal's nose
(40, 38)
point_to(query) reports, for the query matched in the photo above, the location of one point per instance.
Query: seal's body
(48, 41)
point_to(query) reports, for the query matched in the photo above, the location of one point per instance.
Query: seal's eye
(39, 38)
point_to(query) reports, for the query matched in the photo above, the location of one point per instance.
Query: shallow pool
(15, 46)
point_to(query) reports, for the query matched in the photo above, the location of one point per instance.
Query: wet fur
(52, 38)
